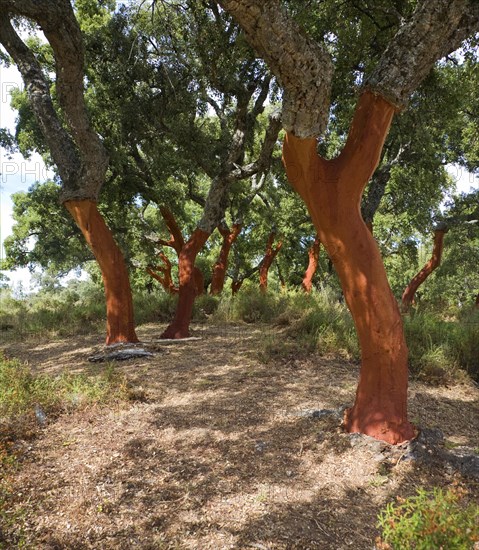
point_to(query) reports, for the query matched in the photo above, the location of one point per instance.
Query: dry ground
(217, 454)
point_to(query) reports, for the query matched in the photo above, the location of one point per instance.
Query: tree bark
(119, 304)
(313, 255)
(332, 191)
(220, 267)
(431, 265)
(179, 327)
(268, 259)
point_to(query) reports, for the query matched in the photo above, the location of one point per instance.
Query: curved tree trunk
(313, 255)
(119, 303)
(332, 191)
(188, 289)
(268, 259)
(431, 265)
(219, 269)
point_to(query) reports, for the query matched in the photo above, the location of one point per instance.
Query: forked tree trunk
(431, 265)
(166, 280)
(188, 275)
(220, 267)
(235, 286)
(119, 303)
(313, 255)
(268, 259)
(332, 191)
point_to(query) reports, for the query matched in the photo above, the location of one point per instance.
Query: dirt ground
(219, 451)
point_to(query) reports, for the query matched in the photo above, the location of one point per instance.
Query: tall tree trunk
(268, 259)
(219, 269)
(431, 265)
(119, 303)
(332, 191)
(179, 327)
(313, 255)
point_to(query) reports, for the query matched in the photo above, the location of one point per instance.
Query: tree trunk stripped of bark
(179, 327)
(332, 191)
(268, 259)
(236, 285)
(220, 267)
(313, 255)
(434, 262)
(166, 280)
(119, 303)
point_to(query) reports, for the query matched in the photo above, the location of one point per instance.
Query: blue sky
(16, 173)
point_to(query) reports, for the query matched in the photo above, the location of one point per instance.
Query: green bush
(249, 305)
(23, 395)
(428, 520)
(447, 344)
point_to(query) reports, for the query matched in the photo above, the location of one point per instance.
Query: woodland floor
(216, 453)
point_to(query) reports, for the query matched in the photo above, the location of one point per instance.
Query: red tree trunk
(268, 259)
(119, 303)
(313, 255)
(431, 265)
(235, 286)
(166, 280)
(219, 269)
(332, 191)
(188, 290)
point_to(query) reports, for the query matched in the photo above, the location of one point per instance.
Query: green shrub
(205, 306)
(155, 307)
(431, 519)
(447, 344)
(24, 395)
(249, 305)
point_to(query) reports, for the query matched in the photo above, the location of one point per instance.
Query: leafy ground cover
(214, 446)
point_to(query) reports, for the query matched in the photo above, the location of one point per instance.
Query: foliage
(446, 344)
(430, 519)
(313, 322)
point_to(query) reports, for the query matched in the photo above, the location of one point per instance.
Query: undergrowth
(27, 403)
(28, 400)
(430, 519)
(440, 347)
